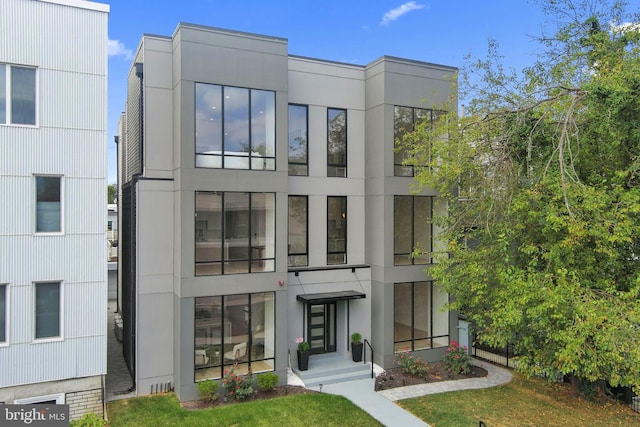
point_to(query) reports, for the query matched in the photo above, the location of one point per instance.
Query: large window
(48, 310)
(234, 233)
(48, 204)
(419, 322)
(17, 95)
(234, 330)
(235, 127)
(298, 231)
(412, 241)
(298, 137)
(3, 313)
(405, 120)
(336, 142)
(336, 230)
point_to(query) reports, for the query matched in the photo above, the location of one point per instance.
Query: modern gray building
(262, 202)
(53, 169)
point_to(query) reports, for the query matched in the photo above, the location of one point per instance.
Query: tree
(541, 242)
(112, 193)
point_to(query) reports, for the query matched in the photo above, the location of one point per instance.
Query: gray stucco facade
(176, 276)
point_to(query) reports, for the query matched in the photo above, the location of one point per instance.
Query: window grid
(407, 335)
(221, 115)
(235, 244)
(417, 225)
(298, 140)
(336, 230)
(336, 142)
(49, 212)
(218, 340)
(406, 119)
(297, 258)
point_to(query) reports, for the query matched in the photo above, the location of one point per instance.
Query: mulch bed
(391, 378)
(278, 391)
(396, 377)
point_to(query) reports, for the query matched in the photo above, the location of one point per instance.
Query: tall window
(47, 310)
(298, 137)
(234, 233)
(234, 330)
(405, 120)
(17, 95)
(336, 230)
(412, 230)
(419, 322)
(235, 127)
(48, 204)
(3, 313)
(336, 142)
(298, 231)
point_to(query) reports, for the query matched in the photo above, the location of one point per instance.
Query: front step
(331, 369)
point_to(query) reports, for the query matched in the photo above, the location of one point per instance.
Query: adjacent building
(53, 140)
(262, 202)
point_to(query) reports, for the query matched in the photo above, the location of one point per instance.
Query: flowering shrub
(411, 365)
(456, 360)
(236, 386)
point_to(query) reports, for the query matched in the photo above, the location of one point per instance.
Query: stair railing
(365, 355)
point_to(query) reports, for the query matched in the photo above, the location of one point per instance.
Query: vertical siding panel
(68, 45)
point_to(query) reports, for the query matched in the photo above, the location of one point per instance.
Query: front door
(321, 327)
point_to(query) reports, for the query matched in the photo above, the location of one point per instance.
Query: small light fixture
(280, 282)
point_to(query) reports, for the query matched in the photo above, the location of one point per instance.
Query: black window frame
(335, 166)
(399, 166)
(306, 219)
(429, 248)
(293, 164)
(345, 231)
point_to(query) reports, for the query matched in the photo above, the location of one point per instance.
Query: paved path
(119, 383)
(381, 406)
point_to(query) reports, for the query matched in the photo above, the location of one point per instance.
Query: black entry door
(321, 324)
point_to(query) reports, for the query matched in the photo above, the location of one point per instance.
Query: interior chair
(201, 357)
(238, 352)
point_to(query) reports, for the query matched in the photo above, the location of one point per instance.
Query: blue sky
(353, 31)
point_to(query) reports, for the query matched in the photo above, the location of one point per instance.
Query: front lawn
(296, 410)
(522, 402)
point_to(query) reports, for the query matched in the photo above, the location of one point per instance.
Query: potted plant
(303, 354)
(356, 347)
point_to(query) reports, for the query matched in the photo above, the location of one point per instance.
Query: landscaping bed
(396, 377)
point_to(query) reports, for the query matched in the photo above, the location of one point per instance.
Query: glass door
(321, 324)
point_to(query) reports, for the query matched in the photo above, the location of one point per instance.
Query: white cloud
(117, 48)
(396, 13)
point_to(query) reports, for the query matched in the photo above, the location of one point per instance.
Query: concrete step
(337, 378)
(331, 369)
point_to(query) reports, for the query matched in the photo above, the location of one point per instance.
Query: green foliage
(541, 179)
(236, 387)
(411, 365)
(112, 193)
(304, 346)
(90, 419)
(267, 381)
(208, 390)
(356, 337)
(456, 360)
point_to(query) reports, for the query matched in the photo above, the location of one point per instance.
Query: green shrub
(303, 346)
(90, 419)
(456, 360)
(267, 381)
(411, 365)
(208, 390)
(356, 337)
(235, 386)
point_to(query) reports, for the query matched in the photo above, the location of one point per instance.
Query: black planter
(356, 351)
(303, 360)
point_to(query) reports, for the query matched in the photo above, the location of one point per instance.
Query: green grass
(295, 410)
(522, 402)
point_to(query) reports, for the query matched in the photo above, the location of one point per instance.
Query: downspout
(140, 74)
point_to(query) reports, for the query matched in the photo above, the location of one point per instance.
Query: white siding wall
(68, 46)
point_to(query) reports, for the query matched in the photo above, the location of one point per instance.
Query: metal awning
(325, 297)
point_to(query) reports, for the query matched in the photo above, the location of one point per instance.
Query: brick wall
(81, 402)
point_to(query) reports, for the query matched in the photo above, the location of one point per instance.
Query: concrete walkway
(381, 406)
